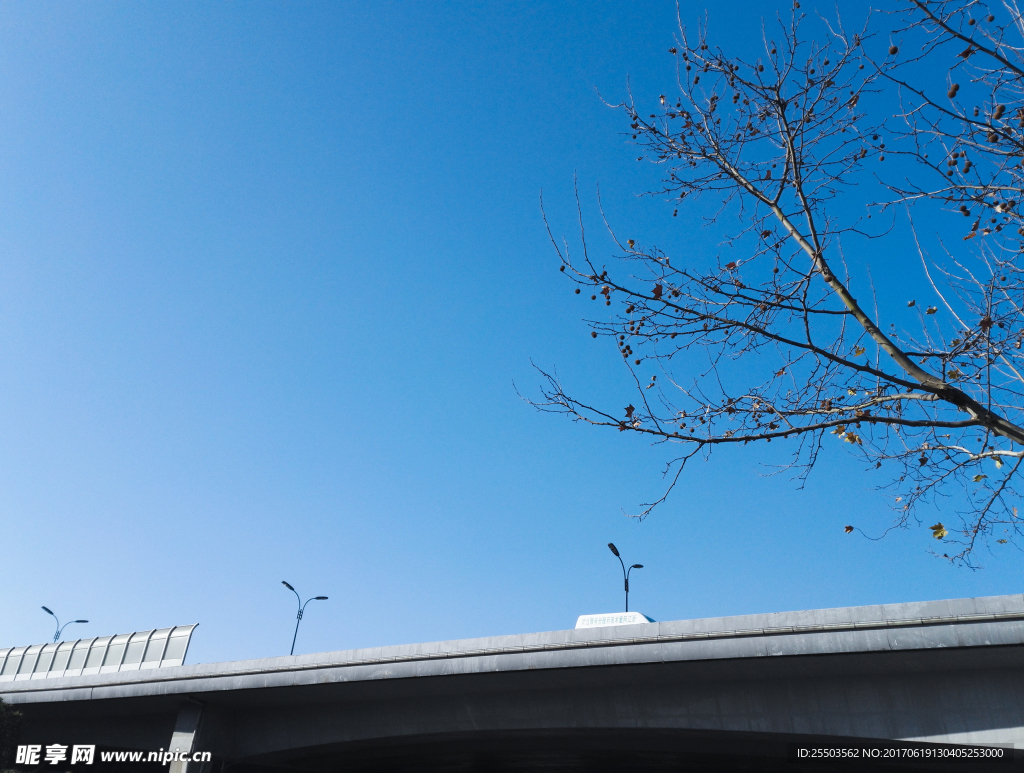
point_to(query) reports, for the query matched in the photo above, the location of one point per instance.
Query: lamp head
(289, 587)
(320, 598)
(47, 611)
(638, 566)
(81, 621)
(614, 549)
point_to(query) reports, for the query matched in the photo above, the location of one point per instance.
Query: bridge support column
(183, 739)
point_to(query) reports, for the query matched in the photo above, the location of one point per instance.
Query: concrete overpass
(711, 694)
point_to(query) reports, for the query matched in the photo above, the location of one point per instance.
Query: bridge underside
(728, 714)
(594, 749)
(557, 751)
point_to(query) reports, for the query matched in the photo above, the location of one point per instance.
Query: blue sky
(271, 276)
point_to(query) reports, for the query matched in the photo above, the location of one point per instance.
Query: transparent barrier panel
(96, 652)
(136, 647)
(28, 660)
(115, 650)
(128, 651)
(60, 660)
(155, 650)
(13, 661)
(177, 644)
(78, 656)
(45, 658)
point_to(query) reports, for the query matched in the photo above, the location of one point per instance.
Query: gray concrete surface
(941, 671)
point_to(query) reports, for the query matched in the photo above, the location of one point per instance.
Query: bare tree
(798, 149)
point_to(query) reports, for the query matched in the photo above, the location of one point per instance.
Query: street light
(60, 628)
(302, 607)
(625, 573)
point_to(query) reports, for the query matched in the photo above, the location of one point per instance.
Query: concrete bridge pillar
(185, 735)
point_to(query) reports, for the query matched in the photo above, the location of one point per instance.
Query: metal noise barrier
(137, 651)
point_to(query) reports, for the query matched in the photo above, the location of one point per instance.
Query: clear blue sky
(269, 275)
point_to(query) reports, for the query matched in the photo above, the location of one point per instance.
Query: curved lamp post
(302, 607)
(60, 628)
(625, 572)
